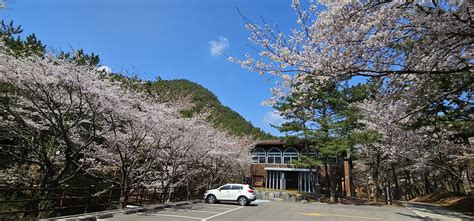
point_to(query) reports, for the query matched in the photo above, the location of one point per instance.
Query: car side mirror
(219, 189)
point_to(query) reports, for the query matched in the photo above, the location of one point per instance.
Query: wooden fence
(45, 202)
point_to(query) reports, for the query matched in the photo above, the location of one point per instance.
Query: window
(290, 154)
(226, 187)
(234, 187)
(259, 155)
(274, 156)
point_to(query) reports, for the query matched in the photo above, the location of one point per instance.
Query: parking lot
(273, 211)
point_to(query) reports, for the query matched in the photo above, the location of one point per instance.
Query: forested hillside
(202, 98)
(168, 91)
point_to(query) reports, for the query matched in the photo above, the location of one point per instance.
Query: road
(435, 212)
(274, 211)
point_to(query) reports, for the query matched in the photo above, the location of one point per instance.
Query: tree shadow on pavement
(415, 216)
(437, 210)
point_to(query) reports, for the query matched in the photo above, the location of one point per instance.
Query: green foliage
(81, 58)
(448, 103)
(308, 162)
(18, 46)
(202, 100)
(25, 47)
(327, 123)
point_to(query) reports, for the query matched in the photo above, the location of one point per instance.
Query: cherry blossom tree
(372, 39)
(415, 153)
(65, 119)
(50, 107)
(150, 144)
(420, 52)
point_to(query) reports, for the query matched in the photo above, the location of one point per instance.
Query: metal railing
(43, 202)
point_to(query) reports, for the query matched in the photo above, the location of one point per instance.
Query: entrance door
(291, 180)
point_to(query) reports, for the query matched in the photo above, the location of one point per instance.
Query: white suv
(241, 193)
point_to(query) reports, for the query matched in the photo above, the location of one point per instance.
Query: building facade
(273, 168)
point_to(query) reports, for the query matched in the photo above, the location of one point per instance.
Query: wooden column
(347, 177)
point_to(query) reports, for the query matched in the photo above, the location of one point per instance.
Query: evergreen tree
(10, 35)
(326, 126)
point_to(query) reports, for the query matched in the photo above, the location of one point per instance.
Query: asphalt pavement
(261, 210)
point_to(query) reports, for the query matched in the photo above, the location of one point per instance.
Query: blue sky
(167, 38)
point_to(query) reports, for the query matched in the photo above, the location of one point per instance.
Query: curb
(110, 213)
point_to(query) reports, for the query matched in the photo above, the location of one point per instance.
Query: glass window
(290, 155)
(274, 156)
(226, 187)
(235, 187)
(271, 159)
(259, 155)
(277, 160)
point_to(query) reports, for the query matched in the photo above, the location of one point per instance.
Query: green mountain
(203, 99)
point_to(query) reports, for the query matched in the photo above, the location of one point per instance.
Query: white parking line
(203, 211)
(177, 216)
(221, 207)
(228, 211)
(216, 213)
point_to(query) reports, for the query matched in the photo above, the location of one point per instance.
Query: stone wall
(279, 196)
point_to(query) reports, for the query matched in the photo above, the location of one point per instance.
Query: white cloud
(105, 68)
(274, 118)
(217, 47)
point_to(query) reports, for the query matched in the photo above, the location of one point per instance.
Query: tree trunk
(188, 189)
(468, 177)
(428, 188)
(124, 196)
(409, 188)
(332, 181)
(395, 181)
(46, 190)
(368, 190)
(328, 180)
(375, 176)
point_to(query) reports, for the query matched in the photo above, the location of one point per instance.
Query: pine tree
(326, 126)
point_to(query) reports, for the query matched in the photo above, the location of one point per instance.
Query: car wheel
(211, 199)
(243, 201)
